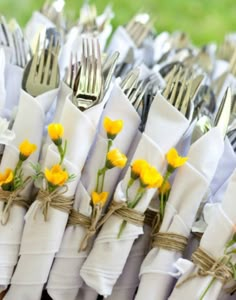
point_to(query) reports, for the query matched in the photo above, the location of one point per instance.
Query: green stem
(130, 183)
(162, 204)
(109, 144)
(18, 167)
(207, 289)
(122, 227)
(62, 152)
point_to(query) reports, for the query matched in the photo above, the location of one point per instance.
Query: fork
(22, 50)
(138, 28)
(178, 92)
(42, 72)
(88, 84)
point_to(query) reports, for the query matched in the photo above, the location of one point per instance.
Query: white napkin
(2, 78)
(28, 125)
(190, 184)
(225, 168)
(37, 25)
(41, 240)
(120, 42)
(109, 254)
(13, 81)
(68, 257)
(221, 226)
(128, 282)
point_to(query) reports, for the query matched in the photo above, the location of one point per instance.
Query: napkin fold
(26, 126)
(109, 254)
(221, 226)
(190, 185)
(41, 240)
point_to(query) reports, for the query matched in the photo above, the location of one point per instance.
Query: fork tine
(169, 82)
(99, 66)
(46, 73)
(174, 90)
(187, 98)
(136, 92)
(15, 49)
(5, 31)
(33, 68)
(139, 99)
(181, 92)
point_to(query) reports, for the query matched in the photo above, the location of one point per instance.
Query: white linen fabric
(190, 185)
(109, 254)
(41, 240)
(26, 126)
(222, 226)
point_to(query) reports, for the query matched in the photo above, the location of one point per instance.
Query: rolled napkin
(190, 185)
(128, 282)
(29, 125)
(191, 284)
(68, 257)
(109, 254)
(41, 240)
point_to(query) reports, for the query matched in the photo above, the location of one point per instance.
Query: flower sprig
(57, 176)
(56, 132)
(11, 180)
(113, 157)
(174, 161)
(148, 177)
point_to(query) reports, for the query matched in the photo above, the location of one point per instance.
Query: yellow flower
(56, 132)
(56, 175)
(112, 127)
(137, 167)
(26, 149)
(115, 159)
(6, 177)
(99, 198)
(151, 178)
(164, 189)
(174, 159)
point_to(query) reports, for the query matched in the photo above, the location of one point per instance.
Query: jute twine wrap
(208, 265)
(12, 198)
(119, 209)
(76, 219)
(56, 199)
(170, 241)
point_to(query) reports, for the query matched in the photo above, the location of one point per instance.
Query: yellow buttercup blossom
(56, 132)
(26, 149)
(115, 159)
(6, 177)
(56, 175)
(112, 127)
(174, 159)
(99, 198)
(151, 178)
(164, 189)
(137, 167)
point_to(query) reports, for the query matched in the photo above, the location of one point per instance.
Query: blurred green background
(203, 20)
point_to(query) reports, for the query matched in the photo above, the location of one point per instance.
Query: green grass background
(203, 20)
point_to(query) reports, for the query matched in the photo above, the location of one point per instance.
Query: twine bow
(119, 209)
(55, 199)
(12, 198)
(207, 265)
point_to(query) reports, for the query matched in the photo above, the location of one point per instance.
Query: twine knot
(55, 199)
(208, 265)
(10, 198)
